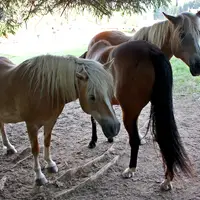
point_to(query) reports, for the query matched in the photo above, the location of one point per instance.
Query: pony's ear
(82, 75)
(198, 13)
(172, 19)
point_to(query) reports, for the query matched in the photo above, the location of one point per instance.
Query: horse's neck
(158, 34)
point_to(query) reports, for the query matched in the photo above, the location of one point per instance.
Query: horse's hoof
(143, 141)
(11, 151)
(92, 145)
(110, 140)
(128, 173)
(166, 185)
(41, 181)
(53, 169)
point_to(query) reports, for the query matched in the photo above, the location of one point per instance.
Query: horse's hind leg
(51, 165)
(166, 184)
(32, 133)
(134, 141)
(10, 148)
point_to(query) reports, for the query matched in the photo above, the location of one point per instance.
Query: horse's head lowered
(185, 39)
(95, 88)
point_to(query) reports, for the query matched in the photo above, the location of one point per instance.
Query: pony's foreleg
(32, 133)
(134, 141)
(51, 165)
(94, 138)
(10, 148)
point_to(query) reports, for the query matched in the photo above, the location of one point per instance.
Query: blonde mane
(164, 32)
(156, 34)
(100, 81)
(56, 76)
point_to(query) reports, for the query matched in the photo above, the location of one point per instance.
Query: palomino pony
(142, 73)
(178, 36)
(37, 90)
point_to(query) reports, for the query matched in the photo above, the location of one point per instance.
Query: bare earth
(96, 173)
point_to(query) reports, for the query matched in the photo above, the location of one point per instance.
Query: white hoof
(166, 185)
(10, 150)
(41, 181)
(52, 169)
(128, 172)
(143, 141)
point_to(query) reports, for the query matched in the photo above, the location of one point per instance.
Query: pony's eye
(92, 98)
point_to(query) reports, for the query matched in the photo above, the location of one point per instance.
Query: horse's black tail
(162, 117)
(83, 55)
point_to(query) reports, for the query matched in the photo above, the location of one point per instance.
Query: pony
(36, 91)
(178, 36)
(142, 74)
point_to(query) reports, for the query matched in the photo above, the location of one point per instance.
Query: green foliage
(13, 13)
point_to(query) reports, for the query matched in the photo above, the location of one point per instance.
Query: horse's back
(5, 64)
(114, 37)
(136, 50)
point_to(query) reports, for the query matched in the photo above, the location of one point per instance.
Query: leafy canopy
(13, 13)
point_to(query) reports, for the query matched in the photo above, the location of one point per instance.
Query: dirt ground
(71, 136)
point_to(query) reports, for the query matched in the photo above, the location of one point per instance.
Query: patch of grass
(184, 82)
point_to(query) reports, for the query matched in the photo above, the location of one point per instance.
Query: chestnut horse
(37, 90)
(178, 36)
(142, 73)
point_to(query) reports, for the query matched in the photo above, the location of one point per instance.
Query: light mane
(157, 34)
(100, 81)
(56, 76)
(164, 32)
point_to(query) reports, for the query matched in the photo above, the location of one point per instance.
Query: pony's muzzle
(110, 128)
(195, 66)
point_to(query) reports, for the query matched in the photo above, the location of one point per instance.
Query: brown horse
(37, 90)
(178, 36)
(142, 73)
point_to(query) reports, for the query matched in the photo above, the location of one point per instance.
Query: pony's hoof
(143, 141)
(110, 140)
(128, 173)
(92, 145)
(41, 181)
(11, 151)
(53, 169)
(166, 185)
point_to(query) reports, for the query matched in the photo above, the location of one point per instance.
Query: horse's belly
(10, 116)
